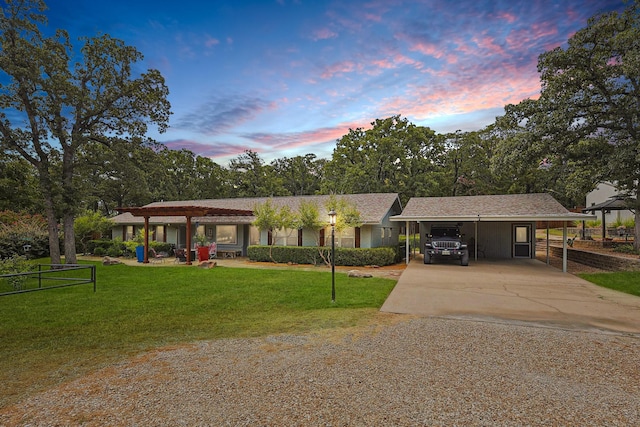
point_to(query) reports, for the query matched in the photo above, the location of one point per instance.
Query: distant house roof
(614, 203)
(508, 207)
(373, 207)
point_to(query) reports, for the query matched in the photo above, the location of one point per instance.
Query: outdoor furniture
(213, 250)
(156, 257)
(181, 256)
(229, 253)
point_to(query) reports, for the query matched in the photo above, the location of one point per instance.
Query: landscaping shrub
(114, 251)
(625, 249)
(20, 229)
(312, 255)
(99, 251)
(13, 265)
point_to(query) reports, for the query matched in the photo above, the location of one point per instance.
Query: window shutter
(300, 237)
(269, 238)
(357, 243)
(322, 237)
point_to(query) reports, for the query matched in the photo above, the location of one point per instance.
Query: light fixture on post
(332, 221)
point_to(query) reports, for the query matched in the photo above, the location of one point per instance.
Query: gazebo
(186, 211)
(614, 203)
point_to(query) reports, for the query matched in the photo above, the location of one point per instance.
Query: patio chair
(155, 257)
(213, 250)
(181, 256)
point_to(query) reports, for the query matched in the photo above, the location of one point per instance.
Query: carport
(502, 226)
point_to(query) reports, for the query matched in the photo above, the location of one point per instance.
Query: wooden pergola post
(146, 240)
(188, 240)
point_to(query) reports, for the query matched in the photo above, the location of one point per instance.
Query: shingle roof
(372, 207)
(537, 206)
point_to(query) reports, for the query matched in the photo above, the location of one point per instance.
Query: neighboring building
(236, 232)
(602, 193)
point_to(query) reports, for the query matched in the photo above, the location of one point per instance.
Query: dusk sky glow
(289, 77)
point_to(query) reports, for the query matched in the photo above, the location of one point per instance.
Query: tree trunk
(52, 228)
(52, 220)
(69, 239)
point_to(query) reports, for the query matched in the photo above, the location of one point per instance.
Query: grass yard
(55, 335)
(623, 281)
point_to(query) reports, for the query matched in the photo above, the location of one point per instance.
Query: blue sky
(290, 77)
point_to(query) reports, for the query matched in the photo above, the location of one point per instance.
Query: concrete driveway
(517, 290)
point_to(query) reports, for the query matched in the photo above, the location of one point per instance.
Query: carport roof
(506, 207)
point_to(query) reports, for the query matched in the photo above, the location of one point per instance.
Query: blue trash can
(140, 253)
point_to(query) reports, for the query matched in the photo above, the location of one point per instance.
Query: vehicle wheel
(427, 258)
(464, 260)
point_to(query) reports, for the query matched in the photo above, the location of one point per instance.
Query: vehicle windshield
(444, 232)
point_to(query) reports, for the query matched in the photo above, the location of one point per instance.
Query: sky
(290, 77)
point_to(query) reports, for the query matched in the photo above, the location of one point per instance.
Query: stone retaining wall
(598, 260)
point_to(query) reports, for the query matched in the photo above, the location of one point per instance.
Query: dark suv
(445, 241)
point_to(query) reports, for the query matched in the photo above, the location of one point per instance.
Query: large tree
(393, 156)
(55, 101)
(250, 177)
(587, 119)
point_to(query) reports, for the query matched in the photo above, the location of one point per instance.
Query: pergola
(186, 211)
(615, 203)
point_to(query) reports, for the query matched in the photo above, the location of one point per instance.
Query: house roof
(507, 207)
(373, 207)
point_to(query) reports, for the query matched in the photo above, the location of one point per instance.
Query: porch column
(564, 246)
(146, 240)
(406, 249)
(188, 240)
(548, 259)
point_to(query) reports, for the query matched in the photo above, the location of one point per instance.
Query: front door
(522, 241)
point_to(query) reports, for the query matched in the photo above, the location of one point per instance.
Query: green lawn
(623, 281)
(54, 335)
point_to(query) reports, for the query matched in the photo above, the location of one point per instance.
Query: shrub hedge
(314, 255)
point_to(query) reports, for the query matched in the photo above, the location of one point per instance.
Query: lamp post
(332, 221)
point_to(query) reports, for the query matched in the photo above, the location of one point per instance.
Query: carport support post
(475, 240)
(564, 246)
(548, 260)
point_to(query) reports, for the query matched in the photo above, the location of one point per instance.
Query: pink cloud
(465, 93)
(210, 42)
(323, 34)
(507, 16)
(488, 43)
(205, 149)
(290, 140)
(338, 68)
(429, 49)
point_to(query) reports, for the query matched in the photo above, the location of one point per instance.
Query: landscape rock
(358, 273)
(110, 261)
(207, 264)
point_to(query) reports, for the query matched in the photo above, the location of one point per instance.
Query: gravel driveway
(399, 371)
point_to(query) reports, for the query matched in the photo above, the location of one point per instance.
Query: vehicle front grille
(446, 244)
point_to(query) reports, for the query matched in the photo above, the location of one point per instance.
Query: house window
(347, 238)
(159, 234)
(226, 234)
(286, 237)
(254, 235)
(129, 232)
(344, 239)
